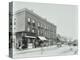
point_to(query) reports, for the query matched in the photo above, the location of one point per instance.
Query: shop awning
(42, 38)
(30, 36)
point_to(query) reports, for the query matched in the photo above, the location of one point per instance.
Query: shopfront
(42, 41)
(34, 42)
(28, 42)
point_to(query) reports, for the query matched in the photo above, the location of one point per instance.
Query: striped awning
(42, 38)
(30, 36)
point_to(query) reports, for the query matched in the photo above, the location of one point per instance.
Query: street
(48, 51)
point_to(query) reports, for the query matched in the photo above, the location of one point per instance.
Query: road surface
(51, 51)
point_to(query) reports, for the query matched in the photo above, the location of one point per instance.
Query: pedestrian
(42, 45)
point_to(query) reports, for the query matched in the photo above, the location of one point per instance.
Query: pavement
(32, 49)
(46, 51)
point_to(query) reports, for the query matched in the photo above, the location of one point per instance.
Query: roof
(33, 13)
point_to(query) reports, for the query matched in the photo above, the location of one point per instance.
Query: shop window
(30, 40)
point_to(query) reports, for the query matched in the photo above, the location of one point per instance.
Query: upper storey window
(33, 21)
(33, 30)
(46, 27)
(29, 19)
(28, 29)
(41, 25)
(38, 24)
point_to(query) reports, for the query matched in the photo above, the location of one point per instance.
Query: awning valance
(42, 38)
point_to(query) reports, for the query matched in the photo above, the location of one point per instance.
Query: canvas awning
(42, 38)
(30, 36)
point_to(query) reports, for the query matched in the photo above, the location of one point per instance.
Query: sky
(65, 17)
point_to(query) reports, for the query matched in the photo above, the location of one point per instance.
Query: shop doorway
(24, 43)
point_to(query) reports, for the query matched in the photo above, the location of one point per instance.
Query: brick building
(28, 26)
